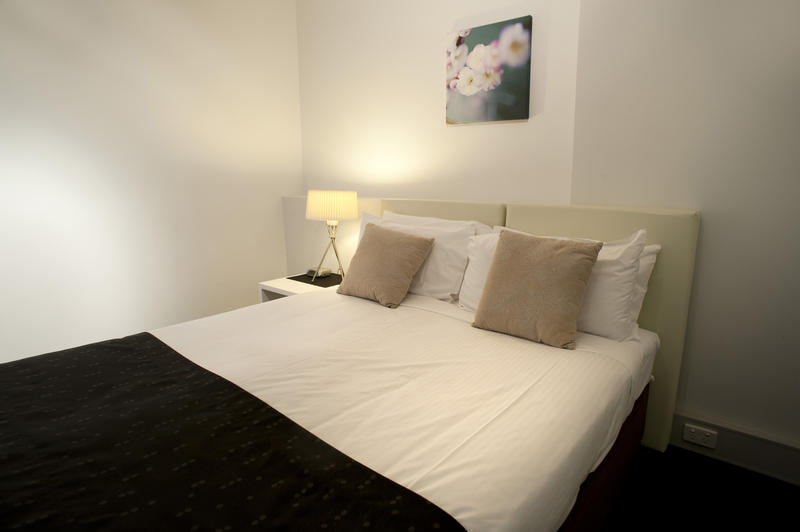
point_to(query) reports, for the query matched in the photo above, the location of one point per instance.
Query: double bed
(329, 411)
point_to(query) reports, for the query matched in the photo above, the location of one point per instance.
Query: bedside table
(297, 284)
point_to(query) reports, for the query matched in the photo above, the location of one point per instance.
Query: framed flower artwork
(488, 72)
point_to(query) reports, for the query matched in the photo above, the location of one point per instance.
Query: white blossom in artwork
(491, 58)
(468, 82)
(514, 45)
(484, 60)
(483, 57)
(490, 79)
(456, 59)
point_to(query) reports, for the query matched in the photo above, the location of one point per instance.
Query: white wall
(695, 104)
(373, 92)
(144, 149)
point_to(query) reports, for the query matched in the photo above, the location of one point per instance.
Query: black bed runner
(129, 435)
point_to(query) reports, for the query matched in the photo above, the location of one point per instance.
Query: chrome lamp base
(332, 226)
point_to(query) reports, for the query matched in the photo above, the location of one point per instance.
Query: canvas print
(489, 72)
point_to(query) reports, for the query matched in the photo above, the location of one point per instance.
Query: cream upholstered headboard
(666, 306)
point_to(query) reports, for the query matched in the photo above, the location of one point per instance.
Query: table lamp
(331, 206)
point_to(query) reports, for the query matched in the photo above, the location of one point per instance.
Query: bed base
(601, 488)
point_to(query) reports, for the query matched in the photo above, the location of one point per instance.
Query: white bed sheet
(496, 430)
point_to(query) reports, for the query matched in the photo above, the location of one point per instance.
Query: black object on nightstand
(329, 280)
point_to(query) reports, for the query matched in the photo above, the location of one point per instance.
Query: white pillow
(425, 221)
(480, 253)
(647, 261)
(441, 274)
(367, 218)
(608, 302)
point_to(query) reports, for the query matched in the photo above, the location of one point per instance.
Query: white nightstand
(288, 286)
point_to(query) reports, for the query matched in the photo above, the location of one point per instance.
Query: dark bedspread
(127, 434)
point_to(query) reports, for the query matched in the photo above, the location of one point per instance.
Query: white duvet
(497, 431)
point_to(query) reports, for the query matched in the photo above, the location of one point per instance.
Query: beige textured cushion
(384, 265)
(535, 288)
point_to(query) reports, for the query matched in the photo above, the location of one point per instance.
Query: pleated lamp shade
(331, 205)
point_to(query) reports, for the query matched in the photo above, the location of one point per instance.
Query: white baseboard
(749, 451)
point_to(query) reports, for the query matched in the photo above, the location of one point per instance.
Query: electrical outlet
(700, 435)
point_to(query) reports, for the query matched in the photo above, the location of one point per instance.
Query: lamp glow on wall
(331, 206)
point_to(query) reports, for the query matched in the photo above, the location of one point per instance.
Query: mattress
(496, 430)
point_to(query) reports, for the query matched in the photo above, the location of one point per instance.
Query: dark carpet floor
(686, 491)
